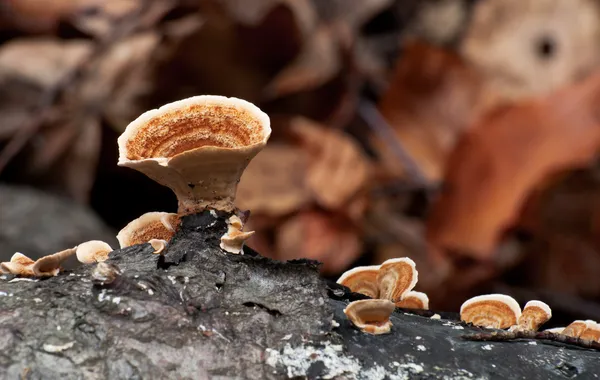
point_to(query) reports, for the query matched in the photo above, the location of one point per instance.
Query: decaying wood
(199, 313)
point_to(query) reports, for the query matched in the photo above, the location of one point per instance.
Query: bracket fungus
(414, 300)
(535, 314)
(576, 328)
(93, 251)
(555, 330)
(361, 280)
(158, 245)
(19, 264)
(371, 316)
(496, 311)
(396, 277)
(592, 332)
(233, 240)
(198, 147)
(151, 225)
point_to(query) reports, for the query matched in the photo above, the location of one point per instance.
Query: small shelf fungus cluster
(198, 147)
(92, 251)
(390, 285)
(499, 311)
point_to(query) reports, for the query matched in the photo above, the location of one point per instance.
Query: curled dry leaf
(319, 236)
(273, 183)
(529, 47)
(338, 169)
(501, 159)
(432, 98)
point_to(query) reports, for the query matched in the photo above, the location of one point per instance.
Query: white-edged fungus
(159, 245)
(19, 264)
(414, 300)
(233, 240)
(535, 314)
(93, 251)
(555, 330)
(592, 332)
(396, 277)
(361, 280)
(151, 225)
(50, 265)
(371, 316)
(198, 147)
(496, 311)
(576, 328)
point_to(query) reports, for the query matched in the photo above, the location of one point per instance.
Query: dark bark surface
(199, 313)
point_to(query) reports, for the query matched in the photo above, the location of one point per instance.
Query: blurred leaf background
(460, 133)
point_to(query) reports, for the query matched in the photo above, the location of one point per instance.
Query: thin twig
(380, 126)
(504, 336)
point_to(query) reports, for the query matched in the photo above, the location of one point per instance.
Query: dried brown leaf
(319, 236)
(498, 163)
(530, 47)
(273, 183)
(338, 169)
(432, 98)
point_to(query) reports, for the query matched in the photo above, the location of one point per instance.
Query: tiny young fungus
(592, 332)
(233, 240)
(361, 280)
(396, 277)
(50, 265)
(414, 300)
(158, 245)
(198, 147)
(555, 330)
(496, 311)
(151, 225)
(93, 251)
(19, 264)
(371, 316)
(576, 328)
(535, 314)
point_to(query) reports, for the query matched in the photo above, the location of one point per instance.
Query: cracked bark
(199, 313)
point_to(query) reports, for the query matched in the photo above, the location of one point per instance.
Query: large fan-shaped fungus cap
(371, 316)
(151, 225)
(414, 300)
(576, 328)
(496, 311)
(93, 251)
(198, 147)
(396, 277)
(361, 280)
(535, 314)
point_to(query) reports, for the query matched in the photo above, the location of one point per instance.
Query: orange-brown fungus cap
(576, 328)
(414, 300)
(48, 266)
(535, 314)
(371, 316)
(93, 251)
(396, 277)
(19, 264)
(496, 311)
(592, 332)
(151, 225)
(198, 147)
(361, 280)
